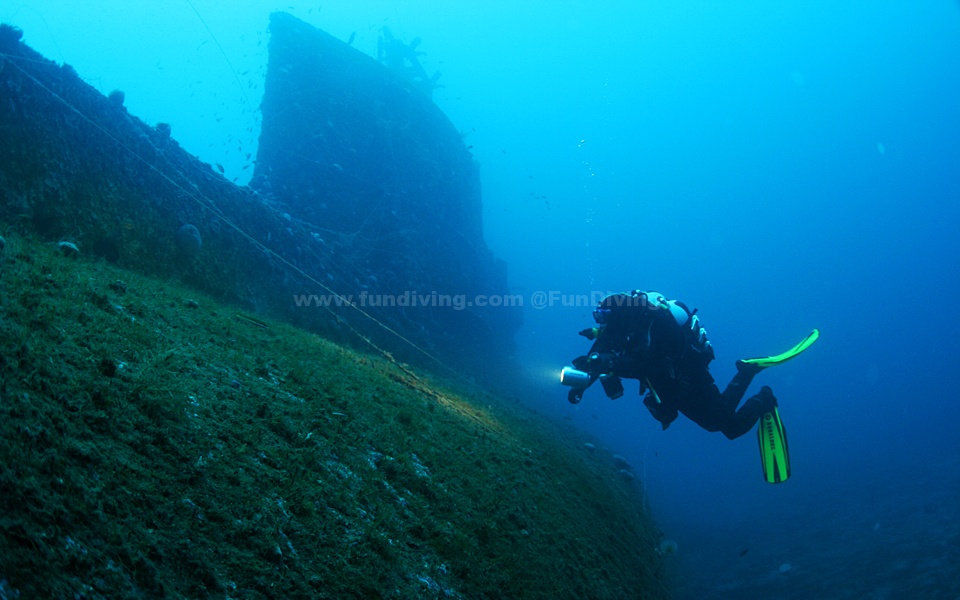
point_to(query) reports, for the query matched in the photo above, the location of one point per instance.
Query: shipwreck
(364, 194)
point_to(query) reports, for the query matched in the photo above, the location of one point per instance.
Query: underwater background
(779, 167)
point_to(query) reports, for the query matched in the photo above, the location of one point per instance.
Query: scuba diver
(661, 343)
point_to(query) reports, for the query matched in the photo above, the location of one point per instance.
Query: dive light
(580, 380)
(574, 377)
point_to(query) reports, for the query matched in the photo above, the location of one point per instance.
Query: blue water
(780, 167)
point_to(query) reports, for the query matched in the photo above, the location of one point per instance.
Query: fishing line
(44, 21)
(646, 451)
(206, 204)
(226, 58)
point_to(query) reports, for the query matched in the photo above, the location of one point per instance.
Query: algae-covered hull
(76, 166)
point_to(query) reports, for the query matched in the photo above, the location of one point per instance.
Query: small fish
(353, 36)
(744, 551)
(219, 167)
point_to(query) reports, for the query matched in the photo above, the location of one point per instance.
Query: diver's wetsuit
(660, 343)
(700, 400)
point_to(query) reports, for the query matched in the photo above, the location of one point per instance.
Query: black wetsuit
(647, 342)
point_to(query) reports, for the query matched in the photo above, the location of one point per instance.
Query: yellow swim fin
(774, 455)
(783, 357)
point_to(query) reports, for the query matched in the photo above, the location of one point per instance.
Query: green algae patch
(155, 443)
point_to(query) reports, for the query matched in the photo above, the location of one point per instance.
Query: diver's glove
(590, 333)
(595, 364)
(580, 363)
(593, 367)
(600, 364)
